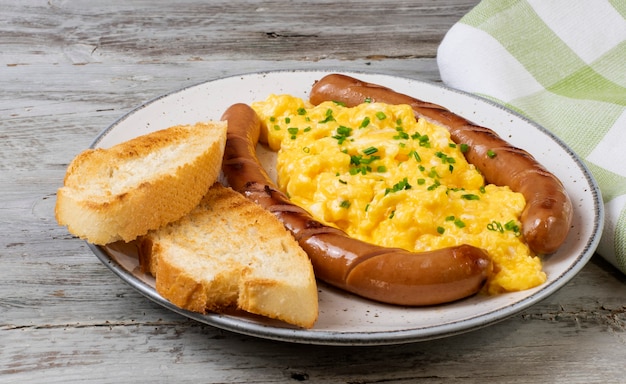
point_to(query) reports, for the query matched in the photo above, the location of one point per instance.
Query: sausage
(547, 216)
(389, 275)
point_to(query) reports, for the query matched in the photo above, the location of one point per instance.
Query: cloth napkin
(562, 64)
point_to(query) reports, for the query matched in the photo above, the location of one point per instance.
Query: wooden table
(68, 69)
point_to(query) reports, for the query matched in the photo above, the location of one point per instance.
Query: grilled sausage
(547, 216)
(389, 275)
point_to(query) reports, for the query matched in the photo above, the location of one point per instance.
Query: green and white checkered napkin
(561, 63)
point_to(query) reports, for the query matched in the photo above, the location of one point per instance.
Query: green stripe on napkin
(620, 6)
(562, 63)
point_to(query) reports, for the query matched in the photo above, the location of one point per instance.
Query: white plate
(345, 319)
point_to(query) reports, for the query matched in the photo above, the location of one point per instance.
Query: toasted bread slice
(124, 191)
(231, 252)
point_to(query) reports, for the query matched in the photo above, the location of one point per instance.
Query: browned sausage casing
(547, 217)
(387, 275)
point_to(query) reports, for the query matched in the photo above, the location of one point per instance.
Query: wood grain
(68, 69)
(231, 30)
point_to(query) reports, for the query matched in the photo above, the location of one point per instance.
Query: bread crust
(124, 191)
(230, 252)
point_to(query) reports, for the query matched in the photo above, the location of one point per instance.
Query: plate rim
(359, 338)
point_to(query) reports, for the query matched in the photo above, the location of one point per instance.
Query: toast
(230, 252)
(126, 190)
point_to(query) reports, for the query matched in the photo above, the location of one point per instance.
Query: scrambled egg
(384, 177)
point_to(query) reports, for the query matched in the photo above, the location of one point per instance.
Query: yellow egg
(386, 178)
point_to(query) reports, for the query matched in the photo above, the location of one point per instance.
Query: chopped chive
(329, 116)
(495, 226)
(424, 141)
(509, 226)
(343, 130)
(370, 150)
(363, 169)
(434, 186)
(399, 186)
(491, 154)
(345, 204)
(441, 230)
(512, 226)
(365, 122)
(459, 223)
(301, 111)
(342, 133)
(415, 155)
(370, 159)
(381, 169)
(470, 196)
(381, 115)
(401, 135)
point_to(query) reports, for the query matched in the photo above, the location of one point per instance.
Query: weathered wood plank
(520, 350)
(230, 30)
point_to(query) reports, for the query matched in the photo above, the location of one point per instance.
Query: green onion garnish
(370, 150)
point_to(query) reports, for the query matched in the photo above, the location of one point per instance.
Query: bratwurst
(547, 216)
(389, 275)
